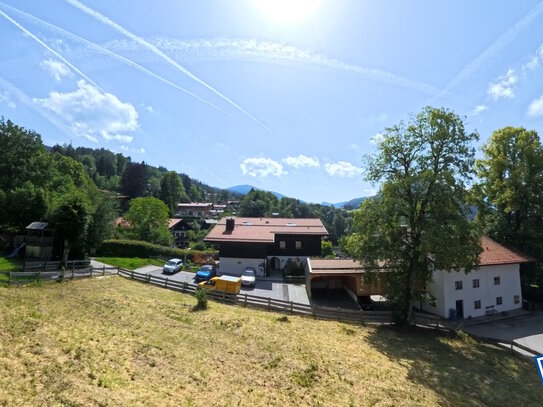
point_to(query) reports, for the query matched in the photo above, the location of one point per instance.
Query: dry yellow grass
(113, 342)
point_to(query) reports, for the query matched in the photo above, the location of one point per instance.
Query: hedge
(136, 248)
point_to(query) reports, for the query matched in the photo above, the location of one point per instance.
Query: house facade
(265, 243)
(493, 287)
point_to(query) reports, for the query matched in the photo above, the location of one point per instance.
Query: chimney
(230, 223)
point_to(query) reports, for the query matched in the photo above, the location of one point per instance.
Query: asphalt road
(524, 329)
(263, 288)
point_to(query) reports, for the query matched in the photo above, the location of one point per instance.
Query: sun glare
(287, 11)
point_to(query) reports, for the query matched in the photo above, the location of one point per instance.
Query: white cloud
(479, 109)
(535, 61)
(342, 169)
(353, 146)
(371, 191)
(377, 139)
(504, 87)
(261, 167)
(56, 68)
(150, 109)
(302, 161)
(92, 113)
(5, 97)
(536, 107)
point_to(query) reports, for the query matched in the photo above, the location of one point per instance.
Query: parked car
(206, 272)
(172, 266)
(226, 284)
(366, 303)
(248, 277)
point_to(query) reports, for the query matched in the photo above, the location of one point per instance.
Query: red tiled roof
(339, 266)
(494, 254)
(263, 230)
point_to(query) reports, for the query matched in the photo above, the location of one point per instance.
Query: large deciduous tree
(509, 195)
(418, 222)
(148, 219)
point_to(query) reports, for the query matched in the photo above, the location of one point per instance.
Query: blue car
(204, 273)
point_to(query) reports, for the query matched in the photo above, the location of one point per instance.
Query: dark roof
(37, 226)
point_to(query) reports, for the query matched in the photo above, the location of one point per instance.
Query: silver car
(172, 266)
(248, 277)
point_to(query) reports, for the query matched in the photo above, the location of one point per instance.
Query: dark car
(366, 303)
(206, 272)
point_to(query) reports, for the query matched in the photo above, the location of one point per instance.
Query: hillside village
(328, 208)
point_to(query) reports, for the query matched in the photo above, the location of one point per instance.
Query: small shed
(39, 241)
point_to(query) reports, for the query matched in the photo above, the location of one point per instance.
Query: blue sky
(287, 95)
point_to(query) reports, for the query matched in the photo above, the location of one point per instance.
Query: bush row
(136, 248)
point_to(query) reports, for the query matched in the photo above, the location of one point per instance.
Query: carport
(331, 278)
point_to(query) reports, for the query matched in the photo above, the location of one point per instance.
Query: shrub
(295, 269)
(198, 246)
(201, 298)
(136, 248)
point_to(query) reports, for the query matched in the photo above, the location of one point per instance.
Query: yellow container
(227, 284)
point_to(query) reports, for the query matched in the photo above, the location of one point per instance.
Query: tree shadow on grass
(460, 370)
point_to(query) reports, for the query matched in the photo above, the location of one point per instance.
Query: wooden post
(269, 303)
(183, 287)
(337, 313)
(166, 283)
(39, 275)
(91, 270)
(73, 271)
(132, 275)
(313, 311)
(291, 307)
(118, 270)
(437, 322)
(245, 303)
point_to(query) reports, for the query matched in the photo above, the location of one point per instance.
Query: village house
(493, 287)
(265, 243)
(194, 209)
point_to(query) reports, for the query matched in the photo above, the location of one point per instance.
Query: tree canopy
(418, 221)
(148, 218)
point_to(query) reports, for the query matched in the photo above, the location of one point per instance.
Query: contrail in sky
(11, 20)
(26, 100)
(100, 17)
(118, 57)
(494, 48)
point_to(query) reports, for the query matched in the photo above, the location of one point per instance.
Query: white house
(493, 287)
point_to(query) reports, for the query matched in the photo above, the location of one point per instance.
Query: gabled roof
(263, 230)
(495, 254)
(37, 226)
(173, 222)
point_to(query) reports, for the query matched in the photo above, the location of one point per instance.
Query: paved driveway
(272, 289)
(524, 329)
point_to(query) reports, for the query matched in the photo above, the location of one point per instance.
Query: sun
(287, 11)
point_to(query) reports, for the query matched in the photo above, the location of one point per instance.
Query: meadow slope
(114, 342)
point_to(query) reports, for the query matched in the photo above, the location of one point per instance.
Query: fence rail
(271, 304)
(39, 275)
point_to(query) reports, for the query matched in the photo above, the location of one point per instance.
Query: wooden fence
(55, 265)
(270, 304)
(39, 275)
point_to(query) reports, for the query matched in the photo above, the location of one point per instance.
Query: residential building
(194, 209)
(493, 287)
(265, 243)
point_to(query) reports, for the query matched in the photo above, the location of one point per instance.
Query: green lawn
(130, 263)
(10, 264)
(115, 342)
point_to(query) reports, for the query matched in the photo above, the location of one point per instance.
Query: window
(476, 283)
(282, 244)
(498, 300)
(298, 244)
(496, 281)
(516, 299)
(458, 285)
(477, 304)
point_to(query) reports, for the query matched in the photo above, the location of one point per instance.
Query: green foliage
(258, 204)
(418, 221)
(195, 194)
(198, 246)
(101, 224)
(295, 268)
(148, 219)
(134, 180)
(201, 299)
(135, 248)
(172, 191)
(70, 219)
(509, 195)
(327, 249)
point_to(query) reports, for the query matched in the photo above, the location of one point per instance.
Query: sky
(285, 95)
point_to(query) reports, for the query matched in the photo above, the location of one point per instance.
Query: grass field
(8, 265)
(114, 342)
(130, 263)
